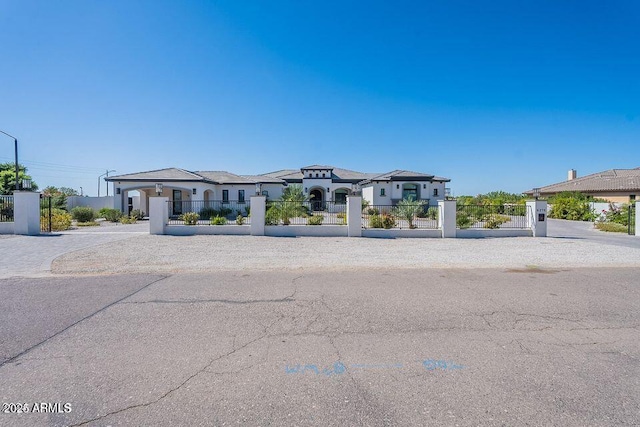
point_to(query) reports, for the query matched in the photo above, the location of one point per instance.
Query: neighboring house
(614, 185)
(320, 183)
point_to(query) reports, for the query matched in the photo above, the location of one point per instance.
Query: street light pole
(15, 143)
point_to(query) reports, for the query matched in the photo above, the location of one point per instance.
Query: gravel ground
(172, 254)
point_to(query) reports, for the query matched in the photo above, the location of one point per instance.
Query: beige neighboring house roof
(168, 174)
(610, 180)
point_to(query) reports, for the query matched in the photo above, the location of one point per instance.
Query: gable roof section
(286, 174)
(609, 180)
(167, 174)
(317, 167)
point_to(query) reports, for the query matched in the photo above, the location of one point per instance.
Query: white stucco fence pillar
(537, 217)
(258, 212)
(354, 216)
(447, 218)
(26, 213)
(637, 219)
(158, 214)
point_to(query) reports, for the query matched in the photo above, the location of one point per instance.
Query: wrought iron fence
(46, 216)
(6, 208)
(305, 213)
(403, 215)
(208, 212)
(492, 216)
(631, 219)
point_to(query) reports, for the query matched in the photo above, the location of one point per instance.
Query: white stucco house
(321, 183)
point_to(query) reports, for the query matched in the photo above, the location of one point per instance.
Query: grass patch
(88, 224)
(611, 227)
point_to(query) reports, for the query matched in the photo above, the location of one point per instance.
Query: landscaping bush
(208, 213)
(272, 217)
(87, 224)
(128, 219)
(571, 206)
(611, 227)
(382, 221)
(316, 220)
(83, 214)
(463, 220)
(189, 218)
(432, 213)
(239, 220)
(111, 215)
(60, 220)
(407, 209)
(618, 215)
(218, 220)
(365, 204)
(137, 214)
(495, 221)
(373, 211)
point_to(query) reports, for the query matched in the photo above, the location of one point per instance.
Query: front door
(316, 199)
(177, 202)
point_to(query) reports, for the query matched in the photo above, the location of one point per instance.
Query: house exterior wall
(611, 196)
(95, 203)
(393, 191)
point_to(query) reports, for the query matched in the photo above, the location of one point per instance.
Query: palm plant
(290, 205)
(407, 209)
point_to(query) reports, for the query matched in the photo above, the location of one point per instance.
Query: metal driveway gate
(45, 214)
(632, 219)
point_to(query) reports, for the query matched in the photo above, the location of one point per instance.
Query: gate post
(447, 217)
(354, 216)
(637, 209)
(258, 212)
(26, 213)
(158, 214)
(537, 217)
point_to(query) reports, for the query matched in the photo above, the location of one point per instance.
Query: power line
(56, 165)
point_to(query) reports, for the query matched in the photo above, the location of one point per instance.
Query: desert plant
(342, 216)
(388, 221)
(128, 219)
(373, 211)
(495, 221)
(189, 218)
(611, 227)
(239, 220)
(365, 204)
(83, 214)
(315, 220)
(87, 224)
(407, 209)
(111, 215)
(463, 220)
(60, 220)
(218, 220)
(137, 214)
(208, 212)
(382, 221)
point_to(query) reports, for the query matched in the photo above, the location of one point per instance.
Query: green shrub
(365, 204)
(111, 215)
(463, 220)
(494, 221)
(611, 227)
(137, 214)
(218, 220)
(208, 213)
(239, 220)
(60, 220)
(224, 212)
(373, 211)
(375, 221)
(388, 221)
(189, 218)
(128, 219)
(571, 206)
(432, 213)
(382, 221)
(618, 215)
(407, 209)
(83, 214)
(272, 217)
(315, 220)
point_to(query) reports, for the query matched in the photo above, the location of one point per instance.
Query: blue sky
(496, 95)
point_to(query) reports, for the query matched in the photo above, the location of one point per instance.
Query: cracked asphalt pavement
(517, 347)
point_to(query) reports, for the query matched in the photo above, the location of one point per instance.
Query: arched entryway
(316, 196)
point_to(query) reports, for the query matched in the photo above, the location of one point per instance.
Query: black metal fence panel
(633, 217)
(45, 214)
(403, 215)
(209, 212)
(6, 208)
(305, 213)
(492, 216)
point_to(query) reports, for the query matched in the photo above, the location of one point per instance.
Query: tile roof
(223, 177)
(172, 174)
(609, 180)
(321, 167)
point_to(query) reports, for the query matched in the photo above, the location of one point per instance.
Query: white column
(447, 218)
(354, 216)
(537, 217)
(258, 212)
(26, 213)
(158, 214)
(637, 219)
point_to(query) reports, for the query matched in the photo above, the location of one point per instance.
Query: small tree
(8, 177)
(407, 209)
(290, 205)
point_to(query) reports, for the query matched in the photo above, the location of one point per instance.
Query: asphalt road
(370, 347)
(581, 230)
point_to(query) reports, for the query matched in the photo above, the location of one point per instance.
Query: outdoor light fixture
(26, 184)
(305, 189)
(117, 190)
(194, 191)
(536, 193)
(258, 188)
(159, 189)
(328, 190)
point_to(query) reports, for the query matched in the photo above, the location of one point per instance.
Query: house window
(410, 191)
(341, 196)
(435, 191)
(323, 175)
(241, 196)
(316, 175)
(225, 196)
(382, 192)
(265, 193)
(310, 175)
(632, 197)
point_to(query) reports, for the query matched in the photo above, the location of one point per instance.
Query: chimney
(573, 174)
